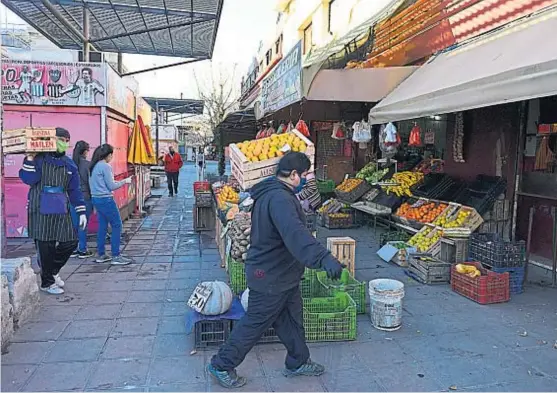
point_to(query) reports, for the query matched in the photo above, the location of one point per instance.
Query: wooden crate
(29, 139)
(344, 249)
(29, 132)
(250, 173)
(203, 219)
(429, 270)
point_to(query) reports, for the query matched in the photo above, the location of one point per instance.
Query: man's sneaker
(227, 379)
(53, 290)
(58, 281)
(103, 258)
(121, 260)
(84, 254)
(75, 254)
(308, 369)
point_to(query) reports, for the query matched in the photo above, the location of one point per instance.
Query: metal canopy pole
(157, 127)
(120, 63)
(166, 66)
(63, 20)
(86, 34)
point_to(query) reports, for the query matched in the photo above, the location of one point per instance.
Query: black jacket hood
(271, 184)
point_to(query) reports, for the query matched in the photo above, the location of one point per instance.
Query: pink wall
(83, 124)
(118, 132)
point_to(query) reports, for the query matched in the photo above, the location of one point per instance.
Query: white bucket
(386, 303)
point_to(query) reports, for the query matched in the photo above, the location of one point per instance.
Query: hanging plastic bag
(362, 134)
(270, 131)
(415, 136)
(303, 128)
(281, 129)
(290, 127)
(391, 135)
(260, 134)
(339, 133)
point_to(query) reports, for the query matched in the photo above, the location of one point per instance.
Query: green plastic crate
(330, 318)
(237, 276)
(325, 186)
(355, 288)
(308, 284)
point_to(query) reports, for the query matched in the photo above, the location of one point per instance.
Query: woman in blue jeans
(102, 185)
(80, 152)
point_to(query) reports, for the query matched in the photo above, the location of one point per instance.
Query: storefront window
(308, 38)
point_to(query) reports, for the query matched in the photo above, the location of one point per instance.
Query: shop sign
(284, 85)
(119, 97)
(53, 83)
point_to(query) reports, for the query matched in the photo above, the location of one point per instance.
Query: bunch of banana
(469, 270)
(404, 181)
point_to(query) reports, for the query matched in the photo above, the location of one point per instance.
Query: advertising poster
(53, 83)
(284, 85)
(119, 96)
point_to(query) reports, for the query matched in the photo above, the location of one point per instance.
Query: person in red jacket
(172, 164)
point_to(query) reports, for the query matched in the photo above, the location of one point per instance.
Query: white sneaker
(58, 281)
(53, 290)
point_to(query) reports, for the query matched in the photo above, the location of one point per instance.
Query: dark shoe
(171, 195)
(103, 259)
(75, 254)
(227, 379)
(84, 254)
(309, 369)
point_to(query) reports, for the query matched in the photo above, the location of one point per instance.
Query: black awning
(237, 127)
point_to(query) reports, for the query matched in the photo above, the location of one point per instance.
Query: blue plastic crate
(516, 277)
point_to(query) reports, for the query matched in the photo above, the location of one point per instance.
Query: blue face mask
(300, 186)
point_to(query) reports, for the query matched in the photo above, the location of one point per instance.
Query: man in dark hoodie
(280, 250)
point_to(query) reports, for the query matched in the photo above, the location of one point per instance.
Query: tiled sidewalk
(122, 328)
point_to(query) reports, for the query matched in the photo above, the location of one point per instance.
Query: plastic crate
(489, 288)
(330, 318)
(491, 250)
(211, 333)
(454, 250)
(237, 276)
(355, 194)
(308, 285)
(338, 222)
(426, 269)
(326, 186)
(516, 278)
(355, 288)
(201, 186)
(203, 199)
(393, 236)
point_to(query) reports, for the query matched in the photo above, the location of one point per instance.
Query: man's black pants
(282, 311)
(52, 257)
(172, 180)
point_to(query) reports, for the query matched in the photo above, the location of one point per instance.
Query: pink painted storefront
(90, 100)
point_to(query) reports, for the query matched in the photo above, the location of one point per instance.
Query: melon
(245, 298)
(220, 300)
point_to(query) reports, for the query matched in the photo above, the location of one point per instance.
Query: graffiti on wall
(53, 83)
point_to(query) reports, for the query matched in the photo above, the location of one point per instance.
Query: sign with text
(53, 83)
(284, 85)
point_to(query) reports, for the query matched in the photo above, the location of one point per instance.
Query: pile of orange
(426, 213)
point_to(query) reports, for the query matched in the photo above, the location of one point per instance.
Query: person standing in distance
(281, 248)
(102, 185)
(172, 165)
(200, 163)
(80, 152)
(54, 186)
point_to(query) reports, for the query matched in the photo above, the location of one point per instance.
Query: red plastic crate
(489, 288)
(201, 186)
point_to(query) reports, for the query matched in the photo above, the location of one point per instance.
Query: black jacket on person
(281, 246)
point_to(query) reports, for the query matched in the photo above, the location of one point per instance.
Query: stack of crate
(203, 212)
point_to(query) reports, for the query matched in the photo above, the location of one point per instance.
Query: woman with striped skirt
(54, 182)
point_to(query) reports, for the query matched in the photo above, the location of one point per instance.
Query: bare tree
(220, 93)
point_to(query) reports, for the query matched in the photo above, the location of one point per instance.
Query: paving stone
(173, 308)
(128, 347)
(107, 297)
(141, 310)
(167, 370)
(88, 329)
(145, 296)
(93, 268)
(78, 350)
(149, 285)
(104, 311)
(59, 376)
(15, 376)
(186, 259)
(282, 384)
(26, 353)
(135, 327)
(172, 325)
(173, 345)
(182, 283)
(40, 331)
(178, 387)
(22, 288)
(350, 380)
(85, 277)
(124, 373)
